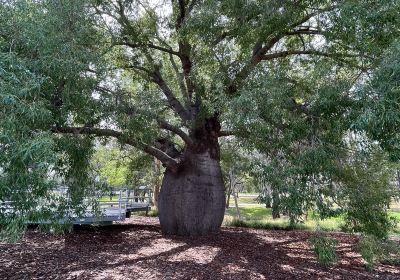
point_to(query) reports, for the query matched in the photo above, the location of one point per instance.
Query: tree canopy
(309, 89)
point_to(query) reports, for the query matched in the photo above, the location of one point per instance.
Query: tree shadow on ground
(132, 251)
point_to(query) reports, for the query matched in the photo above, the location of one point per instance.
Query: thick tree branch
(172, 100)
(224, 133)
(148, 45)
(304, 52)
(259, 51)
(304, 32)
(164, 125)
(183, 9)
(104, 132)
(156, 77)
(168, 161)
(181, 81)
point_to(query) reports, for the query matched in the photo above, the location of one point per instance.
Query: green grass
(107, 199)
(151, 213)
(395, 215)
(257, 216)
(261, 217)
(251, 213)
(243, 200)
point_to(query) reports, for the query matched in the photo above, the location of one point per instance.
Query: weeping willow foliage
(43, 60)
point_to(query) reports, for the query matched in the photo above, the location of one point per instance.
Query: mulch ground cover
(136, 249)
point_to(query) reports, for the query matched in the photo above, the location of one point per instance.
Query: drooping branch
(104, 132)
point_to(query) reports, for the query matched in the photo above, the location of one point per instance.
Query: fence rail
(111, 210)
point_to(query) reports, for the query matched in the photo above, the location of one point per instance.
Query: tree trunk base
(192, 200)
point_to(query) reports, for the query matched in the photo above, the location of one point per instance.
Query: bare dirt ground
(136, 249)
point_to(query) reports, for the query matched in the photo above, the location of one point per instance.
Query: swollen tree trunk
(192, 196)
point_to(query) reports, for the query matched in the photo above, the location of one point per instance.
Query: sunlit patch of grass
(251, 213)
(272, 225)
(331, 224)
(261, 217)
(151, 213)
(107, 199)
(244, 200)
(396, 216)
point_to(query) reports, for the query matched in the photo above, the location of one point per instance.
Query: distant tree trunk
(237, 205)
(228, 194)
(234, 189)
(268, 196)
(228, 197)
(192, 197)
(275, 204)
(156, 193)
(398, 179)
(157, 183)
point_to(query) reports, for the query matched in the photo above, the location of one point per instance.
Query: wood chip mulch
(136, 249)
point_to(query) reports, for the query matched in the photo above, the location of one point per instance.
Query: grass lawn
(107, 199)
(261, 217)
(243, 200)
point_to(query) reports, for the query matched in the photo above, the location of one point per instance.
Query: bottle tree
(166, 77)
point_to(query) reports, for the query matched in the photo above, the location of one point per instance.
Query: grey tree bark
(192, 201)
(192, 195)
(275, 204)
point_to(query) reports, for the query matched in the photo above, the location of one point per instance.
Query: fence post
(119, 203)
(150, 198)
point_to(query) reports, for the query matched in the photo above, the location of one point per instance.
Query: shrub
(153, 213)
(375, 250)
(12, 230)
(325, 250)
